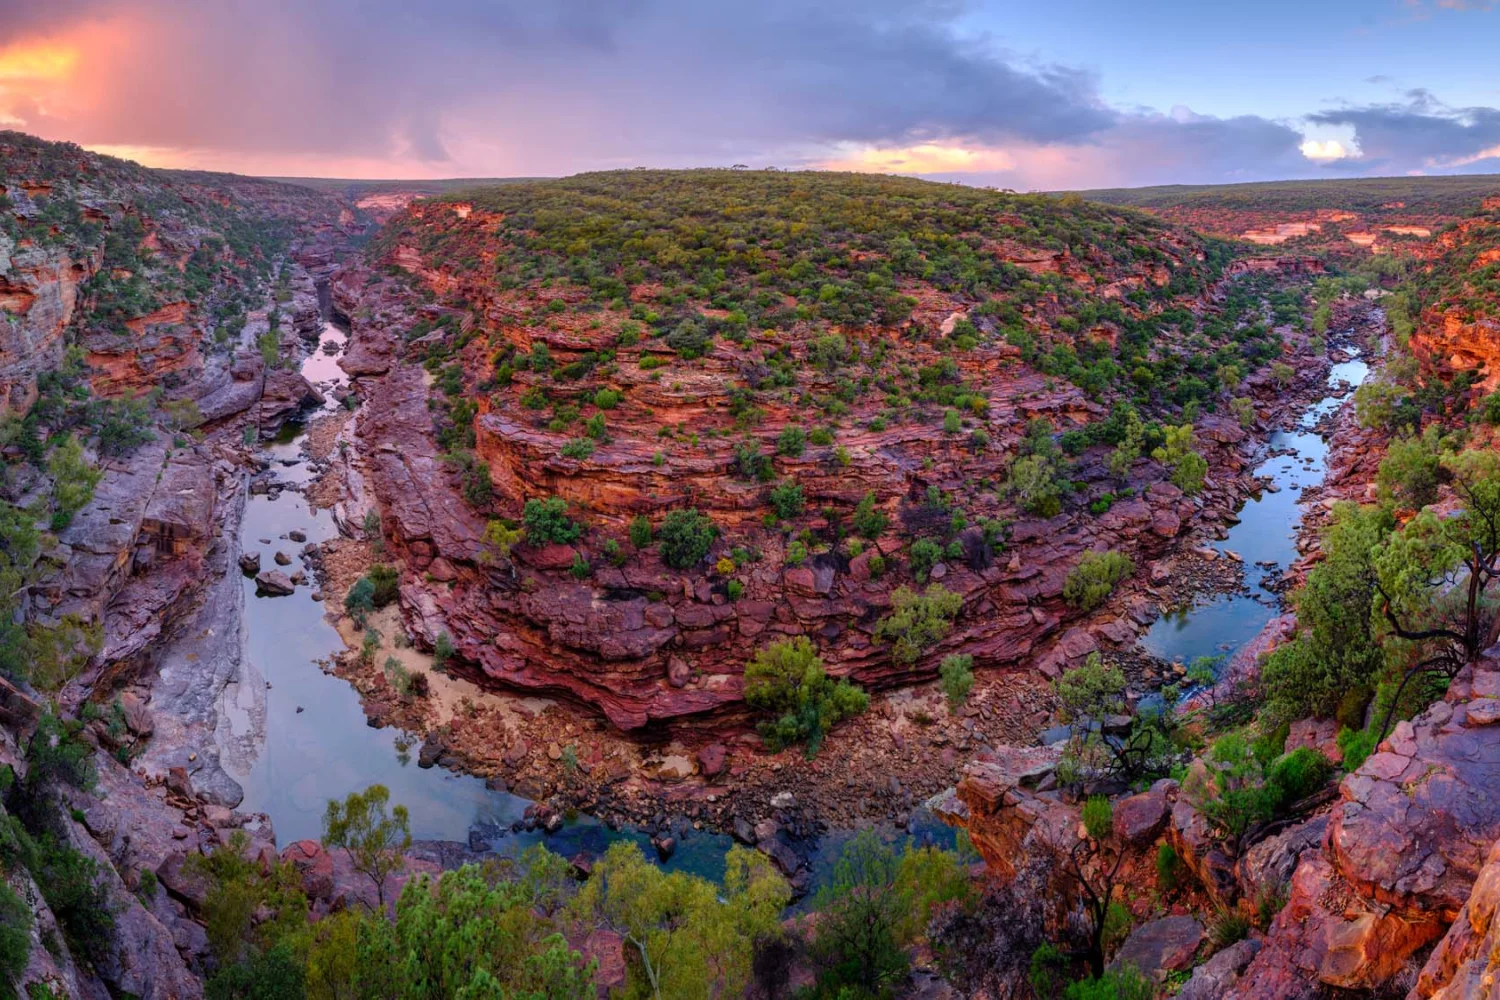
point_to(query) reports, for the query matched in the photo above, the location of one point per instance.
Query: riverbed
(1265, 538)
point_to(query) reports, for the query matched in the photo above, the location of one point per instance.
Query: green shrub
(1117, 984)
(918, 622)
(607, 399)
(360, 600)
(1090, 583)
(791, 441)
(578, 449)
(924, 554)
(734, 589)
(1168, 867)
(547, 521)
(385, 582)
(786, 498)
(580, 567)
(1357, 745)
(686, 536)
(786, 680)
(15, 935)
(869, 521)
(640, 531)
(956, 674)
(1298, 774)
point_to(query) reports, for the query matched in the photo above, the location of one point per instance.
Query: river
(1265, 538)
(318, 745)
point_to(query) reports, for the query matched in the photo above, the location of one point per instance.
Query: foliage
(686, 937)
(247, 909)
(547, 521)
(786, 500)
(1177, 453)
(15, 935)
(384, 581)
(475, 933)
(868, 520)
(918, 622)
(786, 680)
(878, 902)
(74, 479)
(956, 674)
(1336, 649)
(686, 536)
(1090, 583)
(640, 531)
(1034, 482)
(374, 835)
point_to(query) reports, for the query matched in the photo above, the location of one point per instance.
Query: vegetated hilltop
(1341, 216)
(377, 201)
(725, 407)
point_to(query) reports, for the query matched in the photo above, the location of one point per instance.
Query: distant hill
(354, 189)
(1458, 195)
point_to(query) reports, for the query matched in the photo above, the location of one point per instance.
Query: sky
(1060, 94)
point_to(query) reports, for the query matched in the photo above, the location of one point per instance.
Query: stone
(711, 760)
(282, 559)
(1213, 979)
(313, 865)
(1140, 819)
(274, 583)
(250, 563)
(1161, 946)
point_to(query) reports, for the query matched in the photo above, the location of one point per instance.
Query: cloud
(1419, 134)
(515, 87)
(549, 85)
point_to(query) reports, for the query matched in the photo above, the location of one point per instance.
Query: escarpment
(842, 411)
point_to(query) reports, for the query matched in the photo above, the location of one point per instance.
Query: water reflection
(1265, 538)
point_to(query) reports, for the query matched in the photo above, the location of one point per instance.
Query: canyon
(610, 438)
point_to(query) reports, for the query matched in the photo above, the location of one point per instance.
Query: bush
(1357, 745)
(360, 600)
(1297, 775)
(640, 531)
(957, 677)
(925, 553)
(791, 441)
(918, 622)
(869, 521)
(786, 498)
(15, 935)
(547, 521)
(686, 536)
(787, 681)
(384, 584)
(607, 399)
(274, 975)
(1118, 984)
(1090, 583)
(1168, 867)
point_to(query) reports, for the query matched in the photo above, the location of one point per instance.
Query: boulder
(1158, 947)
(1212, 979)
(274, 583)
(314, 866)
(1140, 819)
(711, 760)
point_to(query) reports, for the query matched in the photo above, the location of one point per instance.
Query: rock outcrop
(1404, 848)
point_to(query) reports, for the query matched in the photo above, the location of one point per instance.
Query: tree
(1177, 453)
(686, 536)
(918, 622)
(499, 539)
(480, 932)
(1094, 863)
(689, 938)
(1090, 583)
(1408, 475)
(786, 680)
(547, 521)
(1092, 696)
(374, 835)
(1432, 579)
(1033, 482)
(1336, 650)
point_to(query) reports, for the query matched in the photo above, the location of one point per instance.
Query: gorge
(718, 517)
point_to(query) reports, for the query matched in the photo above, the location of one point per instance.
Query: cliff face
(645, 396)
(1459, 301)
(150, 272)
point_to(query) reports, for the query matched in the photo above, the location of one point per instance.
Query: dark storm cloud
(1421, 133)
(355, 76)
